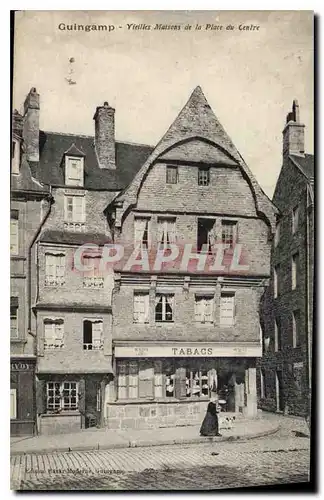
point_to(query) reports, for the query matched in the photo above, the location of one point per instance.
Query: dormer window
(74, 171)
(74, 166)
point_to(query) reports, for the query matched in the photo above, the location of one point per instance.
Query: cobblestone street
(282, 458)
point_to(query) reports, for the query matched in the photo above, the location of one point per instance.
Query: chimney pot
(293, 133)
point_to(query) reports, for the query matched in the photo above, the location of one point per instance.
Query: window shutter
(81, 394)
(146, 380)
(180, 383)
(97, 329)
(227, 309)
(199, 305)
(78, 209)
(40, 396)
(208, 309)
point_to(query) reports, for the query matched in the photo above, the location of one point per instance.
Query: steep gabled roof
(24, 181)
(306, 164)
(53, 146)
(197, 120)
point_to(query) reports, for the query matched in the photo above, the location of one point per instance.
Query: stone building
(284, 373)
(143, 345)
(28, 197)
(187, 328)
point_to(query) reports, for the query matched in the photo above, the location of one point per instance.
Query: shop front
(22, 396)
(166, 385)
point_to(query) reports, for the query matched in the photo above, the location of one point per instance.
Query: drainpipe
(30, 247)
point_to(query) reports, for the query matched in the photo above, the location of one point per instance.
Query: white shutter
(141, 308)
(13, 403)
(227, 309)
(97, 330)
(199, 308)
(78, 209)
(161, 231)
(171, 231)
(208, 309)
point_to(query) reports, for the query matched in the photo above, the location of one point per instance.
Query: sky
(249, 77)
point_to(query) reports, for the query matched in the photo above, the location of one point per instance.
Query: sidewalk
(101, 439)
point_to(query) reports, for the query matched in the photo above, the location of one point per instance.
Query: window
(92, 334)
(141, 307)
(229, 233)
(196, 383)
(75, 209)
(227, 308)
(14, 238)
(277, 336)
(205, 235)
(166, 231)
(74, 171)
(295, 217)
(62, 396)
(296, 328)
(141, 235)
(277, 234)
(294, 271)
(203, 176)
(54, 269)
(13, 317)
(164, 305)
(171, 175)
(153, 379)
(263, 384)
(92, 278)
(53, 333)
(13, 403)
(204, 309)
(276, 281)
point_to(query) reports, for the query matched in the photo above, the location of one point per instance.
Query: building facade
(28, 196)
(285, 371)
(190, 327)
(142, 343)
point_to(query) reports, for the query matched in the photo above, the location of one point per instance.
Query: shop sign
(186, 350)
(21, 367)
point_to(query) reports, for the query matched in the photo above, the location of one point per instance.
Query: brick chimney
(293, 133)
(105, 136)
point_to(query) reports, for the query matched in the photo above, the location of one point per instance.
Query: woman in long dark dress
(209, 427)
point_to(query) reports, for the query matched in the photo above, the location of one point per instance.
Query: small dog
(226, 422)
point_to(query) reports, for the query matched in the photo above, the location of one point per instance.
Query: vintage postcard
(162, 250)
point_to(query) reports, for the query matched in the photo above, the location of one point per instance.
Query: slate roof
(53, 145)
(306, 163)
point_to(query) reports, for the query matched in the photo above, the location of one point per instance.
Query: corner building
(179, 332)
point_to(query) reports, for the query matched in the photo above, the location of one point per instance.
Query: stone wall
(60, 424)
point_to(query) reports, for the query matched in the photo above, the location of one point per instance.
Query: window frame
(94, 346)
(74, 219)
(168, 177)
(210, 231)
(295, 219)
(295, 270)
(69, 180)
(93, 279)
(168, 233)
(164, 296)
(57, 341)
(296, 328)
(146, 313)
(205, 297)
(147, 242)
(59, 269)
(59, 404)
(233, 224)
(14, 232)
(203, 176)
